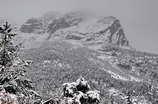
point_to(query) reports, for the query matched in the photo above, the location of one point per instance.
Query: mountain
(79, 26)
(76, 44)
(96, 31)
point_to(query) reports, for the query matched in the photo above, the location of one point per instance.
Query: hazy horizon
(138, 17)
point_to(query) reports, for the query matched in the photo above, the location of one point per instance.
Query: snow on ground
(75, 43)
(94, 47)
(103, 57)
(130, 77)
(135, 79)
(116, 76)
(115, 92)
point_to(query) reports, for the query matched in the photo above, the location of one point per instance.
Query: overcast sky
(138, 17)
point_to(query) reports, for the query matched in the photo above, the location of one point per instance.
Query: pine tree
(12, 71)
(7, 49)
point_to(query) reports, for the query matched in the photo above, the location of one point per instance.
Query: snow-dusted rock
(82, 85)
(93, 96)
(69, 89)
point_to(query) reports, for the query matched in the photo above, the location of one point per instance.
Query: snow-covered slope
(78, 44)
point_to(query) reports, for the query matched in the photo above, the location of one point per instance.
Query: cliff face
(112, 31)
(116, 34)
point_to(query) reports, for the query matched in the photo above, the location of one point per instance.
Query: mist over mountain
(63, 47)
(78, 26)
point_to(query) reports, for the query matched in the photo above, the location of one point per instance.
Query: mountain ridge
(107, 29)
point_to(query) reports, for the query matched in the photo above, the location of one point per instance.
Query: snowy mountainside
(74, 45)
(59, 61)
